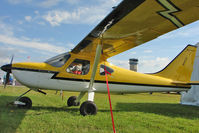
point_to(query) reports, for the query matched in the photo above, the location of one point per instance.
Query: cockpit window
(79, 67)
(59, 60)
(108, 69)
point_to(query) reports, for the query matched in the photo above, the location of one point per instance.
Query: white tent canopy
(192, 96)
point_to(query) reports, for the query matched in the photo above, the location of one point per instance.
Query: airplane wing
(134, 22)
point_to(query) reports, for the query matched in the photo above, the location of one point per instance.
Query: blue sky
(42, 29)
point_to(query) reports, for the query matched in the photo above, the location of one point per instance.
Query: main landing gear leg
(75, 101)
(89, 107)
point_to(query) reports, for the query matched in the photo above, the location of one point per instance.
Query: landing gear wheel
(27, 101)
(88, 108)
(71, 101)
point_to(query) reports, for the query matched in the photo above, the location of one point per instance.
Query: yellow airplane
(130, 24)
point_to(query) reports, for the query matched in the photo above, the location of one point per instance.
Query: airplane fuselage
(45, 76)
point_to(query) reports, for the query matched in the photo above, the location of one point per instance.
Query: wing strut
(94, 70)
(96, 61)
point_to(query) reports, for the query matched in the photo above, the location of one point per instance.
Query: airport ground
(133, 113)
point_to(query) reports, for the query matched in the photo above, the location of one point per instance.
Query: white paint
(43, 81)
(19, 103)
(91, 95)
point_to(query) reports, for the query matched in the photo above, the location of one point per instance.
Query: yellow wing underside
(145, 22)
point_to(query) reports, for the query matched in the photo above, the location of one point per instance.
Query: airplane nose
(6, 68)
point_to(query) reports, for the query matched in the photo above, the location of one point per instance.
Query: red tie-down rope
(106, 72)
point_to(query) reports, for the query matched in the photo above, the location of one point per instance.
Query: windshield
(59, 60)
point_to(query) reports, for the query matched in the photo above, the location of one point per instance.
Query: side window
(79, 67)
(108, 69)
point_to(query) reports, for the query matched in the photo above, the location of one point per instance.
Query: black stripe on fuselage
(96, 81)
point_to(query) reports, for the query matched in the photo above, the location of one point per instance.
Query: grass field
(137, 113)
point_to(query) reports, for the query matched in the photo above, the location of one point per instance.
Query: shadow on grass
(10, 116)
(51, 109)
(166, 109)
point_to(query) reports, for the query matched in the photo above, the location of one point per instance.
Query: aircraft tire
(71, 101)
(27, 101)
(88, 108)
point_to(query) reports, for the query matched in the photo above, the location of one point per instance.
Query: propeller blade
(4, 84)
(7, 79)
(7, 68)
(11, 59)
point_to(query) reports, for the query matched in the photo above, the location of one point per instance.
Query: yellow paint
(181, 68)
(36, 66)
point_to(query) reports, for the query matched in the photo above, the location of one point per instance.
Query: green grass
(138, 113)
